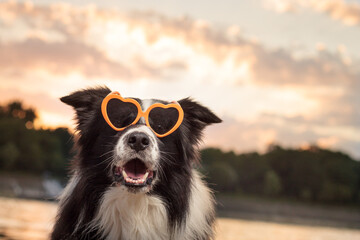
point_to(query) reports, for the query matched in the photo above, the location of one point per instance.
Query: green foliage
(8, 155)
(25, 149)
(251, 169)
(223, 176)
(272, 185)
(314, 174)
(15, 110)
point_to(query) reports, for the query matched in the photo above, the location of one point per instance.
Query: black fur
(95, 139)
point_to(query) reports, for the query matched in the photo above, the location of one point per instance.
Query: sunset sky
(276, 71)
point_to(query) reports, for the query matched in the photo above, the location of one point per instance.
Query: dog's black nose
(138, 141)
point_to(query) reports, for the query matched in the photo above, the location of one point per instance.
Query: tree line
(25, 149)
(313, 174)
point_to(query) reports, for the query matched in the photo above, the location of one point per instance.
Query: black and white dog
(127, 182)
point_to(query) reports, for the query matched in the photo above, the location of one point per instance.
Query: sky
(276, 71)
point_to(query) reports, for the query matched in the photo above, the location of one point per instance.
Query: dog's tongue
(135, 168)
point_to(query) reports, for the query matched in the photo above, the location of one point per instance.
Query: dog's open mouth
(134, 174)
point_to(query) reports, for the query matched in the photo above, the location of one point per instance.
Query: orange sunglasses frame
(145, 115)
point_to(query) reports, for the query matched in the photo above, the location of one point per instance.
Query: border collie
(132, 179)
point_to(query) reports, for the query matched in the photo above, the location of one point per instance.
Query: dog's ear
(197, 115)
(85, 102)
(196, 118)
(84, 99)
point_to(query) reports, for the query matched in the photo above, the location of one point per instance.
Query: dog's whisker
(109, 152)
(167, 154)
(108, 159)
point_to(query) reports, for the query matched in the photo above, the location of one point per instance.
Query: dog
(134, 174)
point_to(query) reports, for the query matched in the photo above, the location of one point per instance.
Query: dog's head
(135, 157)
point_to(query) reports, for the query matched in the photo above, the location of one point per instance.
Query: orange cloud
(266, 66)
(62, 39)
(100, 43)
(73, 45)
(348, 13)
(59, 58)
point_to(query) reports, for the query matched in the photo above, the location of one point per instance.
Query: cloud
(267, 66)
(348, 13)
(342, 109)
(62, 39)
(141, 48)
(258, 134)
(59, 58)
(326, 69)
(110, 44)
(59, 17)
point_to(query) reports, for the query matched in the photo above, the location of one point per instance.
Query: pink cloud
(59, 58)
(77, 53)
(348, 13)
(80, 47)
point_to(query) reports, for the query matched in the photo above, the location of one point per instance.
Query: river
(32, 220)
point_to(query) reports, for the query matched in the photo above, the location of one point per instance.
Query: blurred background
(284, 75)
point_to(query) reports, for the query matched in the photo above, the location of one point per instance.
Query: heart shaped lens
(121, 114)
(163, 120)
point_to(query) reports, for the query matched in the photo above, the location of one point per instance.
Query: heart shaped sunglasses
(121, 113)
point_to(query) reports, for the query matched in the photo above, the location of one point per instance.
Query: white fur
(68, 189)
(201, 205)
(125, 215)
(150, 155)
(146, 103)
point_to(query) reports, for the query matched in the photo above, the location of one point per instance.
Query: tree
(314, 174)
(272, 186)
(222, 176)
(8, 155)
(32, 150)
(251, 168)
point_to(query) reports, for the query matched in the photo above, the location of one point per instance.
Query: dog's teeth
(137, 181)
(124, 174)
(145, 176)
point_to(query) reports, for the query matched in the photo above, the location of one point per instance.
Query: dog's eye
(162, 127)
(159, 128)
(122, 121)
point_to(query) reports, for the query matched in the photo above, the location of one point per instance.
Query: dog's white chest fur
(125, 215)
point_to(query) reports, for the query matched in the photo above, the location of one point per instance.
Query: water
(32, 220)
(26, 219)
